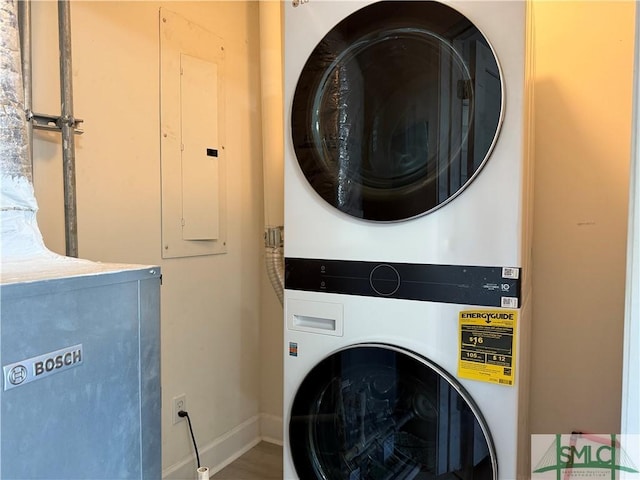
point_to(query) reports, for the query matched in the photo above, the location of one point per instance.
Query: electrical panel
(192, 139)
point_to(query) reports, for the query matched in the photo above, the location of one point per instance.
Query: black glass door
(376, 412)
(396, 109)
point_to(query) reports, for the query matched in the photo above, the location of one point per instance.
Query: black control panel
(469, 285)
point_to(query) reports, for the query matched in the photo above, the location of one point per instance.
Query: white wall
(584, 65)
(210, 304)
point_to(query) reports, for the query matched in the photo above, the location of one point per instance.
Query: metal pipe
(24, 21)
(68, 127)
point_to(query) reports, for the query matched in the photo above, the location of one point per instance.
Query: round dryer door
(396, 110)
(377, 412)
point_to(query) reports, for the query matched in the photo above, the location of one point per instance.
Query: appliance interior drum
(375, 411)
(396, 110)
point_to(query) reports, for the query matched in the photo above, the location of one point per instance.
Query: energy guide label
(487, 346)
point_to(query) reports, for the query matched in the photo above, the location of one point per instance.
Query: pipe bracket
(42, 121)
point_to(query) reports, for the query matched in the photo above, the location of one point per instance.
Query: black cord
(182, 413)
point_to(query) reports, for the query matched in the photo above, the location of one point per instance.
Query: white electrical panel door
(199, 133)
(192, 138)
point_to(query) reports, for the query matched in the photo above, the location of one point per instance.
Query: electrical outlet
(179, 403)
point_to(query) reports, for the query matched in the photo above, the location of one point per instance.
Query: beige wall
(271, 335)
(211, 305)
(583, 91)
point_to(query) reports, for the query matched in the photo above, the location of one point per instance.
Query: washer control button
(384, 279)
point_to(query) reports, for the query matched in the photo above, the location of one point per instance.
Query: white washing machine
(371, 391)
(406, 207)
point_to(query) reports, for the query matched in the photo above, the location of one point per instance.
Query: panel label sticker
(487, 346)
(35, 368)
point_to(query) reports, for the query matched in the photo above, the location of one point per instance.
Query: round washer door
(396, 110)
(376, 412)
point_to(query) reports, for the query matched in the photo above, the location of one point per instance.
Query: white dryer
(405, 136)
(405, 206)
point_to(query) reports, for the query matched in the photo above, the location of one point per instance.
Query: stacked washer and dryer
(406, 206)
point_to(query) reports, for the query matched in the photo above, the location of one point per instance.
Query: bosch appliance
(81, 371)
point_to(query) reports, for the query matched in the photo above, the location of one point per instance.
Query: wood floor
(262, 462)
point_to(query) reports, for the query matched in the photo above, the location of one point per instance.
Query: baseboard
(225, 449)
(271, 428)
(221, 452)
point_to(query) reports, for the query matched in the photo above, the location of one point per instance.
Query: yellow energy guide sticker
(487, 346)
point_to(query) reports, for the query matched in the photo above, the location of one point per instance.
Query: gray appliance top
(57, 269)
